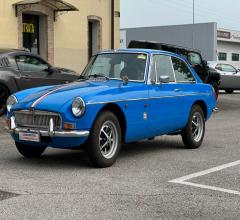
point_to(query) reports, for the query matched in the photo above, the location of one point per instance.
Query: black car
(20, 69)
(207, 74)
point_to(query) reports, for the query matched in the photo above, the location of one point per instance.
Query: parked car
(207, 74)
(230, 76)
(122, 96)
(20, 69)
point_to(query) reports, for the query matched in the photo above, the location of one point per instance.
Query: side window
(182, 71)
(228, 68)
(161, 66)
(31, 64)
(219, 67)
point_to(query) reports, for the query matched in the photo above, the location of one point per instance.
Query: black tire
(229, 91)
(188, 133)
(4, 94)
(100, 158)
(216, 89)
(30, 151)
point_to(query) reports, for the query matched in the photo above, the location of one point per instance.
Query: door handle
(177, 90)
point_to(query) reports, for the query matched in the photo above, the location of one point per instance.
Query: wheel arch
(118, 112)
(6, 87)
(203, 105)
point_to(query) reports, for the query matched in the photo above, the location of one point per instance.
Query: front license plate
(29, 136)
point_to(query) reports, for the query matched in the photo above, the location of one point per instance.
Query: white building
(228, 46)
(214, 43)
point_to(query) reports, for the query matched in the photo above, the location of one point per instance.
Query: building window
(235, 57)
(222, 56)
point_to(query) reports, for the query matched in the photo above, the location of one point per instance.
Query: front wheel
(30, 151)
(193, 134)
(105, 140)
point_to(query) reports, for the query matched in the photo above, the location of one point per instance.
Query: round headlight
(12, 100)
(78, 107)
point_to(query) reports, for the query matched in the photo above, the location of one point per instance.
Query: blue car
(122, 96)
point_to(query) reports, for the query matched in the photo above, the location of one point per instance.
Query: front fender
(9, 82)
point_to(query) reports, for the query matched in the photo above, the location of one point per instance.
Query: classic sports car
(122, 96)
(20, 69)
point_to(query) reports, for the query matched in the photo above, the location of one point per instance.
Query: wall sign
(28, 28)
(224, 34)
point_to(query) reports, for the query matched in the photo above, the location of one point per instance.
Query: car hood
(65, 71)
(53, 98)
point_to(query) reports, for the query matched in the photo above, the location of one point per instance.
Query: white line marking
(183, 180)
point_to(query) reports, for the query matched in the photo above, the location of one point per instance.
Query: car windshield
(117, 66)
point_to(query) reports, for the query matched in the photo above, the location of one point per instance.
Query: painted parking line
(185, 179)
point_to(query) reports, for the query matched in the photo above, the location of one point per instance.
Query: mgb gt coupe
(122, 96)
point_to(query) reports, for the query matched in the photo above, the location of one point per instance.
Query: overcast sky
(141, 13)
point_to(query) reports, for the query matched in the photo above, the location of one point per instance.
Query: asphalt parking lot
(143, 184)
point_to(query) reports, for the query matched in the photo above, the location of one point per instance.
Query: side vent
(4, 62)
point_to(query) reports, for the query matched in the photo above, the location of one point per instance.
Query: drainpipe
(112, 23)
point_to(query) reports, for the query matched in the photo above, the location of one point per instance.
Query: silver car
(230, 76)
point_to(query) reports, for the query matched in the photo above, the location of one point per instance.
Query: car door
(229, 75)
(185, 82)
(35, 72)
(165, 98)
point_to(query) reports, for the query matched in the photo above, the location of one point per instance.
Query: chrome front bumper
(71, 134)
(45, 133)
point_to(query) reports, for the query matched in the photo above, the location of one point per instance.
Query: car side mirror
(164, 79)
(51, 70)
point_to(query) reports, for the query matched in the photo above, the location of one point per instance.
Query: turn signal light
(69, 126)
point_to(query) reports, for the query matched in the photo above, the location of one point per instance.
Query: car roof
(10, 50)
(148, 51)
(158, 45)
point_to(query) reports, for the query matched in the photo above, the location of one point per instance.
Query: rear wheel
(193, 134)
(4, 94)
(229, 91)
(30, 151)
(105, 140)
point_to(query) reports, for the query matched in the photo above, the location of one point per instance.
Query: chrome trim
(169, 55)
(139, 99)
(44, 133)
(78, 98)
(127, 52)
(39, 112)
(16, 101)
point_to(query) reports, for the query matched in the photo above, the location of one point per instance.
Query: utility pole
(193, 11)
(193, 25)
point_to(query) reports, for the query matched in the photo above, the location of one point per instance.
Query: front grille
(36, 119)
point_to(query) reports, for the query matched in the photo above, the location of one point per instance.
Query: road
(62, 185)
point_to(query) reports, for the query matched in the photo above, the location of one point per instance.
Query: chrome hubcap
(108, 139)
(197, 127)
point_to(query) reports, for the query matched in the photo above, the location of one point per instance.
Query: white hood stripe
(49, 93)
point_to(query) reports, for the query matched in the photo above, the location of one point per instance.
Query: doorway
(93, 37)
(31, 33)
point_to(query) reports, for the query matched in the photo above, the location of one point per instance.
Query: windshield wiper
(82, 77)
(98, 75)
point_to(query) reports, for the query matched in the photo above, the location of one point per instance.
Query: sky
(142, 13)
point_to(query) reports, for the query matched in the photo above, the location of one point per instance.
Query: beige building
(64, 32)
